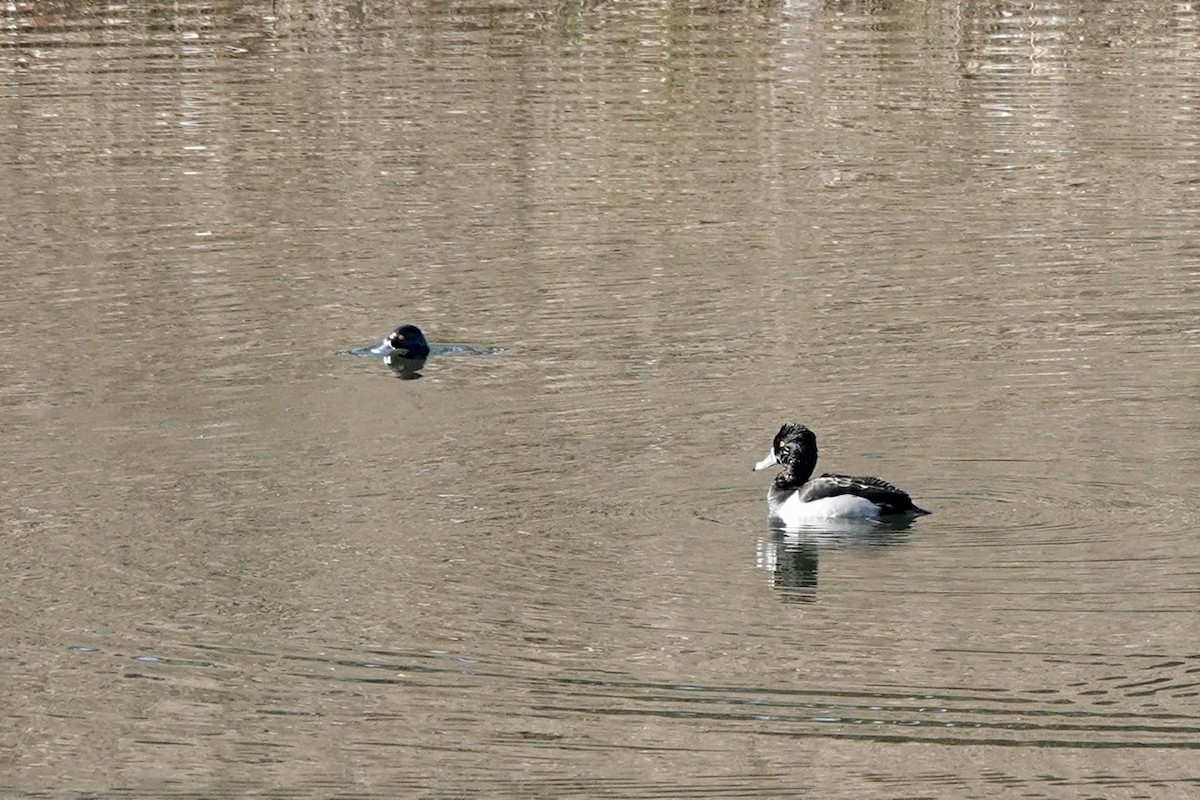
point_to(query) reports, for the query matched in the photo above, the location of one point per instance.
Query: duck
(404, 350)
(795, 496)
(407, 342)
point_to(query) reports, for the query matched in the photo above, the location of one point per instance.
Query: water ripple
(1106, 700)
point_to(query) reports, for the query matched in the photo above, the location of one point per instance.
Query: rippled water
(956, 240)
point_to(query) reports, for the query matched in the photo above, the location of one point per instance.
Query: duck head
(409, 342)
(795, 448)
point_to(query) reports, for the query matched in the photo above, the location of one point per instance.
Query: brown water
(956, 239)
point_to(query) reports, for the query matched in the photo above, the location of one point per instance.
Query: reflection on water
(793, 565)
(792, 554)
(961, 235)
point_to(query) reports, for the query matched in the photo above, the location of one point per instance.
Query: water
(956, 241)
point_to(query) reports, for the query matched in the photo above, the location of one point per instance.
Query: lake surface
(958, 240)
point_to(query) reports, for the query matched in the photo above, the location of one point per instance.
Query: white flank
(844, 506)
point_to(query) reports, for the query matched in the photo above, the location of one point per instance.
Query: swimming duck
(404, 350)
(408, 342)
(793, 497)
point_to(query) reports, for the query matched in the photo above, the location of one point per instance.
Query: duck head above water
(409, 342)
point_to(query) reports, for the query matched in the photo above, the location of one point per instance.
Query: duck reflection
(406, 369)
(793, 566)
(792, 554)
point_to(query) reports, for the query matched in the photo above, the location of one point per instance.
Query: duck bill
(769, 461)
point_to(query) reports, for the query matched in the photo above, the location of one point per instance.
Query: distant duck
(404, 350)
(794, 499)
(408, 341)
